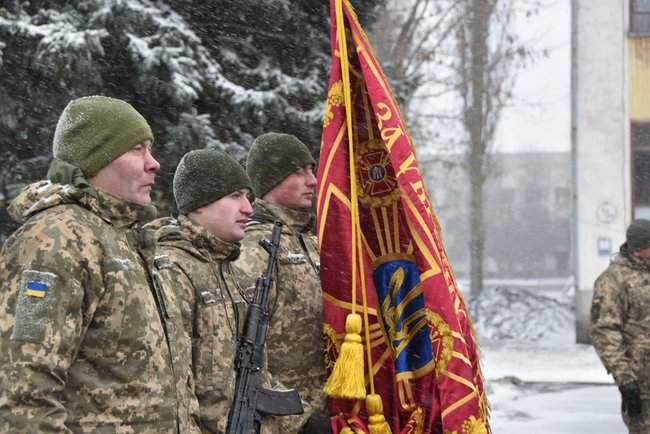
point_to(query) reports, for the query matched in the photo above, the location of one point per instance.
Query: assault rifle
(251, 400)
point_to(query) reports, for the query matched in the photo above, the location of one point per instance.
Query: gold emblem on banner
(472, 425)
(334, 99)
(376, 177)
(442, 340)
(332, 345)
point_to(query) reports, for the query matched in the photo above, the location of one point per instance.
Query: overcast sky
(540, 117)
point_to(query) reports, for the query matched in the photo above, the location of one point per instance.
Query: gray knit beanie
(95, 130)
(204, 176)
(637, 235)
(273, 157)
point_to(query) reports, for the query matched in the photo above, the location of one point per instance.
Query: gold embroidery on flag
(332, 345)
(334, 99)
(376, 178)
(473, 425)
(442, 338)
(328, 164)
(416, 421)
(405, 393)
(344, 304)
(332, 190)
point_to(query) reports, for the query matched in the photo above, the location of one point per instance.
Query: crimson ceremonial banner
(422, 357)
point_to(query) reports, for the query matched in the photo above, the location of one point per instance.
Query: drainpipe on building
(581, 321)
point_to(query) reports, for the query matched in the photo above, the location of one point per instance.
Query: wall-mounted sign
(604, 246)
(606, 212)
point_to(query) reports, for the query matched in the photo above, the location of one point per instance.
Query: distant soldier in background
(194, 259)
(281, 170)
(620, 324)
(87, 343)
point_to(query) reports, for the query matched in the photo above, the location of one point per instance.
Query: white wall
(602, 153)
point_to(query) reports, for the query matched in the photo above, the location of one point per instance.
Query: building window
(640, 15)
(640, 138)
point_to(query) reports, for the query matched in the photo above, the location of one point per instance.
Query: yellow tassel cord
(346, 431)
(374, 407)
(377, 421)
(347, 379)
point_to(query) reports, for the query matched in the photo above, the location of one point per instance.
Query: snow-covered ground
(555, 409)
(539, 381)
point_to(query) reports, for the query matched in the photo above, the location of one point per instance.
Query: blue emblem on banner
(404, 315)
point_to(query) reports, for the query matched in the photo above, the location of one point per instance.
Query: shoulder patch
(36, 288)
(596, 304)
(33, 305)
(293, 259)
(162, 261)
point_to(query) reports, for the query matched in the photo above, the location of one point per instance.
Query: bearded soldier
(87, 343)
(195, 255)
(281, 168)
(620, 324)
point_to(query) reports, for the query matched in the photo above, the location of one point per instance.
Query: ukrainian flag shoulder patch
(33, 311)
(35, 288)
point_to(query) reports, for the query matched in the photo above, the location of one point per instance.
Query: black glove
(631, 395)
(318, 423)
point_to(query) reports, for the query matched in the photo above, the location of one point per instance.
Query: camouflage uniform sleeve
(607, 318)
(45, 308)
(175, 279)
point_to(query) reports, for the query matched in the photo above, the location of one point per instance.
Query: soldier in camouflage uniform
(281, 169)
(620, 324)
(87, 343)
(194, 258)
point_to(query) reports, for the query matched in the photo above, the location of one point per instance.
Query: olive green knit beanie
(273, 157)
(95, 130)
(204, 176)
(637, 235)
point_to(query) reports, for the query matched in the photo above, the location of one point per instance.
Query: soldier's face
(225, 218)
(642, 254)
(296, 190)
(131, 176)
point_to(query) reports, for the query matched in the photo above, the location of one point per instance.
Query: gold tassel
(346, 430)
(347, 379)
(375, 409)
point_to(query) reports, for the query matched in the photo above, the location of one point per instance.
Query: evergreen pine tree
(212, 73)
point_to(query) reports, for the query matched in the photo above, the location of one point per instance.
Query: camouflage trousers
(639, 424)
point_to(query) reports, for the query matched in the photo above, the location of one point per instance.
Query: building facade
(610, 135)
(527, 212)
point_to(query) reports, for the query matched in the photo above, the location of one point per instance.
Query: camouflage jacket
(196, 266)
(87, 345)
(620, 320)
(294, 344)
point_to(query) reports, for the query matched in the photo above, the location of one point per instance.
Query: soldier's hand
(318, 423)
(631, 394)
